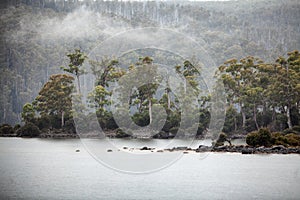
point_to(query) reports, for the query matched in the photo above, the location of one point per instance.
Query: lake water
(52, 169)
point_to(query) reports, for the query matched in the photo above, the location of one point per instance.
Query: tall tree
(55, 98)
(239, 79)
(76, 61)
(144, 94)
(286, 87)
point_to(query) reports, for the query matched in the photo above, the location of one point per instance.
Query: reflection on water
(51, 169)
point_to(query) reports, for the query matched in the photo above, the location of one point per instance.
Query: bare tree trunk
(78, 82)
(62, 119)
(264, 123)
(273, 118)
(150, 110)
(244, 118)
(255, 117)
(169, 100)
(235, 124)
(288, 115)
(4, 114)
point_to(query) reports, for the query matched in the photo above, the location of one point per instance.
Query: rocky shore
(243, 149)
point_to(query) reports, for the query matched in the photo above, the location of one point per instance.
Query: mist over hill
(36, 35)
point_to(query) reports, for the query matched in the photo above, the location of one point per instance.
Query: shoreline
(59, 134)
(242, 149)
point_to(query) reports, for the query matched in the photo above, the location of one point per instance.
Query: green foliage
(76, 61)
(231, 120)
(29, 130)
(38, 52)
(16, 127)
(28, 113)
(6, 129)
(290, 139)
(288, 131)
(98, 97)
(262, 91)
(121, 134)
(279, 139)
(297, 129)
(106, 120)
(44, 122)
(141, 119)
(70, 126)
(262, 137)
(293, 139)
(55, 98)
(222, 139)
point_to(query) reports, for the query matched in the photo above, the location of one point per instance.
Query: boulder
(146, 148)
(247, 151)
(278, 147)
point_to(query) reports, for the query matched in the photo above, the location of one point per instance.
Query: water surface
(51, 169)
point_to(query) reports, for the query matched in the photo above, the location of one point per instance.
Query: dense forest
(252, 44)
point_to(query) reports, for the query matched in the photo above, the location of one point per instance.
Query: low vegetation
(263, 137)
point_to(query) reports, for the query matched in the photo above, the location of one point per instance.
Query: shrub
(293, 139)
(70, 126)
(222, 138)
(141, 119)
(43, 122)
(279, 139)
(16, 127)
(288, 131)
(6, 129)
(251, 138)
(262, 137)
(121, 134)
(296, 129)
(174, 130)
(29, 130)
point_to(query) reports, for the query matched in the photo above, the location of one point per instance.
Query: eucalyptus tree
(286, 87)
(238, 78)
(76, 61)
(98, 98)
(106, 71)
(144, 94)
(253, 89)
(55, 98)
(190, 73)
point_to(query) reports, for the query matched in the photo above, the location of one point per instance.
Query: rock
(109, 150)
(125, 147)
(145, 148)
(203, 148)
(180, 148)
(77, 150)
(185, 152)
(278, 147)
(220, 148)
(160, 151)
(247, 151)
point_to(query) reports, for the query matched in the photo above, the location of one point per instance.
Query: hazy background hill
(36, 35)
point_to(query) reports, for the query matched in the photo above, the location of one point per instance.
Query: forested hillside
(36, 35)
